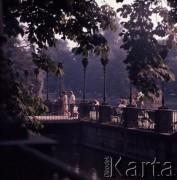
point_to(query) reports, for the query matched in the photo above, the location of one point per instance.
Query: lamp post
(36, 72)
(84, 63)
(47, 84)
(104, 63)
(163, 95)
(84, 110)
(104, 109)
(130, 96)
(60, 66)
(163, 55)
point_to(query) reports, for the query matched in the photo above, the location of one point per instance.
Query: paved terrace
(57, 118)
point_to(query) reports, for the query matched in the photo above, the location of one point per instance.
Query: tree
(72, 80)
(20, 54)
(78, 21)
(145, 54)
(22, 104)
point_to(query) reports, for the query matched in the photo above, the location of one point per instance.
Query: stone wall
(134, 143)
(65, 132)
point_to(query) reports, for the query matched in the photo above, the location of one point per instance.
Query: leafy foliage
(24, 105)
(79, 21)
(145, 54)
(117, 81)
(172, 15)
(44, 62)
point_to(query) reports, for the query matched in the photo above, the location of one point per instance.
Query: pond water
(91, 162)
(82, 159)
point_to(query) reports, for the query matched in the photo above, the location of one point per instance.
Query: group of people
(68, 104)
(137, 101)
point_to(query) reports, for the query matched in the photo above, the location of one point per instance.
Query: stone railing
(160, 121)
(165, 121)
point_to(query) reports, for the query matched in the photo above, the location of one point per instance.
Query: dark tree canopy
(79, 21)
(173, 11)
(146, 53)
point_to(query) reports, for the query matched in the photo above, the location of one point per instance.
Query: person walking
(65, 103)
(72, 102)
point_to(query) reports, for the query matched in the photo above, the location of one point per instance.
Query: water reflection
(91, 162)
(85, 160)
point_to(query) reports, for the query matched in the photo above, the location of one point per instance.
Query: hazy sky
(113, 3)
(116, 5)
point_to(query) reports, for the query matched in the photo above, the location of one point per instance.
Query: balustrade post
(163, 121)
(84, 110)
(130, 117)
(105, 113)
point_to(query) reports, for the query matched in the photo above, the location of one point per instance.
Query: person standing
(65, 103)
(123, 103)
(72, 101)
(140, 100)
(96, 104)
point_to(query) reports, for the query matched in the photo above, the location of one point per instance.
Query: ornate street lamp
(60, 66)
(84, 63)
(163, 55)
(47, 84)
(104, 63)
(36, 72)
(105, 111)
(130, 96)
(163, 95)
